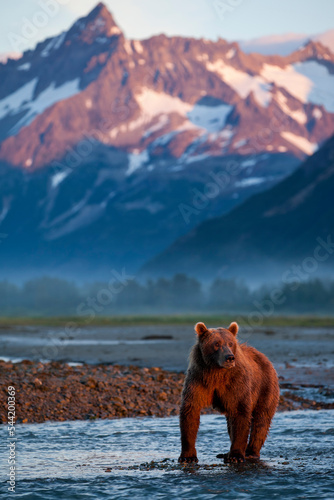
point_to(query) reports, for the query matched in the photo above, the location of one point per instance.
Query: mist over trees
(181, 294)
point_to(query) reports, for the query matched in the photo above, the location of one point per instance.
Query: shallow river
(112, 459)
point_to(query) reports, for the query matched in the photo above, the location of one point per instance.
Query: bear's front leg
(189, 424)
(239, 431)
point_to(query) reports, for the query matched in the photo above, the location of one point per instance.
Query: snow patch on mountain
(5, 209)
(54, 44)
(242, 82)
(13, 103)
(164, 139)
(101, 39)
(240, 143)
(250, 181)
(227, 133)
(162, 121)
(155, 103)
(231, 53)
(136, 160)
(24, 67)
(57, 178)
(195, 158)
(44, 100)
(114, 30)
(251, 162)
(21, 101)
(202, 57)
(300, 142)
(138, 46)
(86, 216)
(127, 47)
(155, 108)
(317, 113)
(211, 118)
(308, 81)
(23, 98)
(322, 83)
(298, 115)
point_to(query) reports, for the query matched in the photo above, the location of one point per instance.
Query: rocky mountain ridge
(111, 149)
(285, 233)
(172, 96)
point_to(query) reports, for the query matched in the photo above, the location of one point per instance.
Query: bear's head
(218, 345)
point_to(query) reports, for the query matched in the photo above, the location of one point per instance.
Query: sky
(24, 23)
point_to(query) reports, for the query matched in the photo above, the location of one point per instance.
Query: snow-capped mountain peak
(148, 96)
(112, 137)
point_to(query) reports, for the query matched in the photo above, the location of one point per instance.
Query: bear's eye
(230, 344)
(217, 345)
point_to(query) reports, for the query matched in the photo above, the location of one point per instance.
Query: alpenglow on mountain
(163, 93)
(105, 140)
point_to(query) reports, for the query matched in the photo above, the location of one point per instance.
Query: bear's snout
(229, 357)
(229, 361)
(226, 360)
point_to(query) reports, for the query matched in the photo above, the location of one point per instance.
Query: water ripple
(137, 458)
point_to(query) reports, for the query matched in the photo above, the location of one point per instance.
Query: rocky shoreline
(58, 391)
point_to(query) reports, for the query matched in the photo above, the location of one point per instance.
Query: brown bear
(235, 379)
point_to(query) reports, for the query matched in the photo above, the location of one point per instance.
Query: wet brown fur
(246, 390)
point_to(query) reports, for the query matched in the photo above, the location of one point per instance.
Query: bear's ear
(233, 328)
(200, 329)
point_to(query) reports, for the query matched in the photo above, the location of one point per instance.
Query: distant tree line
(180, 294)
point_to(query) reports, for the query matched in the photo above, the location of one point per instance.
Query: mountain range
(178, 96)
(111, 149)
(286, 232)
(287, 43)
